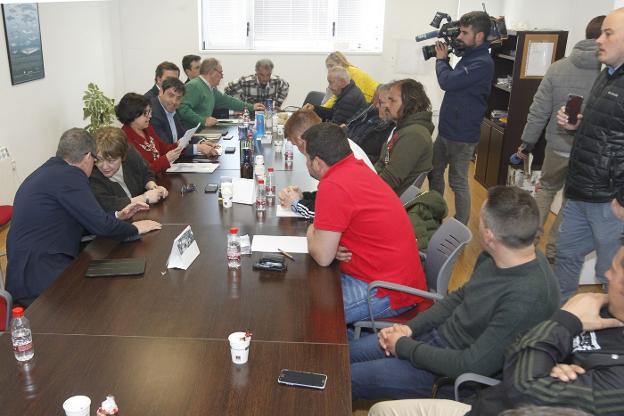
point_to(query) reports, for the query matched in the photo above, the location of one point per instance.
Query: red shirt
(356, 202)
(152, 149)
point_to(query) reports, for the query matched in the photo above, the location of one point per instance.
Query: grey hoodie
(572, 75)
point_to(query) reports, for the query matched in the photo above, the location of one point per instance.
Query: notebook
(115, 267)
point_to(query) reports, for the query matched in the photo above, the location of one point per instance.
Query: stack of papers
(274, 243)
(193, 168)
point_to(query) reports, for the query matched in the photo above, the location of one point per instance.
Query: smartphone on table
(302, 379)
(573, 107)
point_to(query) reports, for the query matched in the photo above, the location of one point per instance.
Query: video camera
(450, 31)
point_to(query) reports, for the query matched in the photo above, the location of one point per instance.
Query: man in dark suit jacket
(164, 70)
(349, 98)
(52, 207)
(167, 122)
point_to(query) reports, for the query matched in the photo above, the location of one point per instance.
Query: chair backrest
(444, 248)
(314, 98)
(6, 303)
(414, 189)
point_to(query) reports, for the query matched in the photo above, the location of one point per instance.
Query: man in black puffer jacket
(349, 98)
(596, 170)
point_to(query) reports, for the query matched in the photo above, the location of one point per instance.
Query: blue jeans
(586, 227)
(457, 156)
(354, 294)
(375, 376)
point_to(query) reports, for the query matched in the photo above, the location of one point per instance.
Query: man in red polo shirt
(360, 222)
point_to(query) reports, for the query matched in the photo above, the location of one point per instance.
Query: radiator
(8, 177)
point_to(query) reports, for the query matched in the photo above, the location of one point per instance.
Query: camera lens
(429, 51)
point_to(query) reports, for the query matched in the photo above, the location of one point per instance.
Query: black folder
(115, 267)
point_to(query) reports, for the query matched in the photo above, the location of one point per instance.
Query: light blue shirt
(172, 126)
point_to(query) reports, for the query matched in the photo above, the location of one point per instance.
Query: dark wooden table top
(158, 342)
(171, 376)
(303, 304)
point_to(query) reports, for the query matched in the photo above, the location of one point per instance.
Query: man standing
(190, 65)
(511, 290)
(202, 97)
(52, 208)
(164, 70)
(360, 222)
(467, 88)
(261, 86)
(572, 75)
(349, 99)
(166, 121)
(594, 173)
(575, 359)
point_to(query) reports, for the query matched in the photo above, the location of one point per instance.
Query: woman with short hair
(135, 112)
(122, 176)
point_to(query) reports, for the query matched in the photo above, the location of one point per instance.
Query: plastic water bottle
(268, 120)
(109, 407)
(259, 171)
(288, 154)
(21, 336)
(261, 196)
(270, 188)
(259, 124)
(278, 140)
(245, 118)
(233, 249)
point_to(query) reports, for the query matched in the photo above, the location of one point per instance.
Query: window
(293, 25)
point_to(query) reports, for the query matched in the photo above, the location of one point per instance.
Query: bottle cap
(18, 312)
(270, 169)
(109, 405)
(233, 230)
(260, 181)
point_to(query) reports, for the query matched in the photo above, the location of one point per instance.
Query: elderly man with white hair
(349, 98)
(259, 87)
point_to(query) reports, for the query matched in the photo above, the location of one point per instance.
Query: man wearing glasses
(52, 208)
(202, 97)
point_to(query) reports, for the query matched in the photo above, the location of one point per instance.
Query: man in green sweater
(202, 97)
(510, 291)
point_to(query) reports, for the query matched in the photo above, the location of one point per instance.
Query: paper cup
(239, 347)
(227, 193)
(77, 406)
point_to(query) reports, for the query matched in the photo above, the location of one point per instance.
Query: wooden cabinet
(517, 58)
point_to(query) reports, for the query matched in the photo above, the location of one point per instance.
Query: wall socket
(4, 153)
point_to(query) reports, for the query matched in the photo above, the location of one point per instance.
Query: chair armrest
(463, 378)
(401, 288)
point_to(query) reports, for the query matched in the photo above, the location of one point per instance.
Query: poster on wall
(23, 39)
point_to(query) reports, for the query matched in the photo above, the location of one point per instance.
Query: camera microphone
(428, 35)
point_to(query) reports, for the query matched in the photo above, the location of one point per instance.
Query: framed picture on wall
(23, 40)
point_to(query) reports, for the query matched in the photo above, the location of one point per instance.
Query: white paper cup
(227, 192)
(77, 406)
(239, 347)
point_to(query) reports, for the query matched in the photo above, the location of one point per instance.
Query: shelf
(505, 56)
(501, 87)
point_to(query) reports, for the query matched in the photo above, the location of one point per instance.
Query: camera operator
(467, 87)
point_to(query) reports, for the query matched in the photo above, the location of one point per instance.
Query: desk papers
(243, 191)
(271, 244)
(186, 139)
(285, 212)
(193, 168)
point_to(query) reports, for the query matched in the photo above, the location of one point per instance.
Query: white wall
(77, 49)
(570, 15)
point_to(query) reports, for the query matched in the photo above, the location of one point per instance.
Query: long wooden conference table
(159, 342)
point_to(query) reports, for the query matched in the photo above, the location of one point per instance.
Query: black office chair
(314, 98)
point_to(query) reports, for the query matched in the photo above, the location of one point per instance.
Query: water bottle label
(22, 347)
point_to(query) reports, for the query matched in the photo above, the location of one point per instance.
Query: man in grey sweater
(511, 290)
(572, 75)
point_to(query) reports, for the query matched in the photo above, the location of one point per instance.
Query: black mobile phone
(302, 379)
(230, 149)
(211, 188)
(573, 107)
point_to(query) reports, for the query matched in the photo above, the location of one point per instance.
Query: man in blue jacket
(467, 87)
(52, 207)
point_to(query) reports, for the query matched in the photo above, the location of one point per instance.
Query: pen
(286, 254)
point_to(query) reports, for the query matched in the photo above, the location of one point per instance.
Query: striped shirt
(248, 89)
